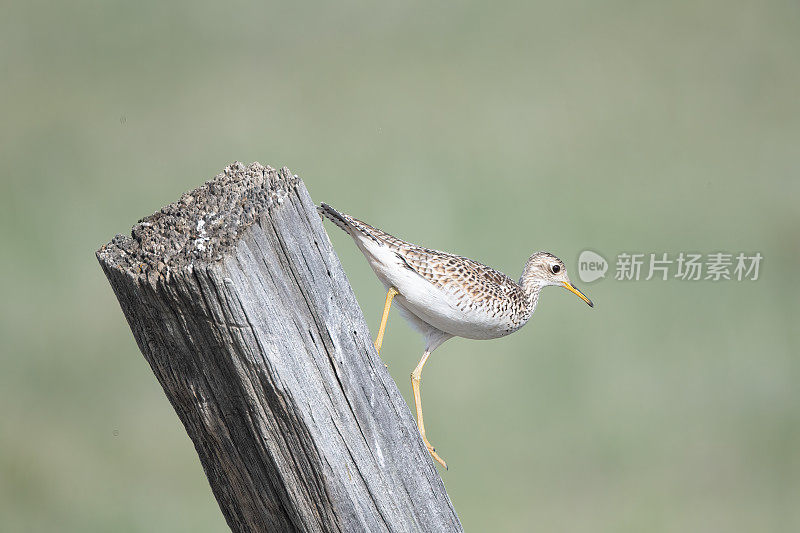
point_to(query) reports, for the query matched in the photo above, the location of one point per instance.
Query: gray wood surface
(238, 302)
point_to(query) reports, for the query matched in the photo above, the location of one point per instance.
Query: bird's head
(543, 269)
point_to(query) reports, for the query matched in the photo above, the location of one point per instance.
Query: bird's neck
(531, 288)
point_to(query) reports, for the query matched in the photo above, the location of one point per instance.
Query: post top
(202, 224)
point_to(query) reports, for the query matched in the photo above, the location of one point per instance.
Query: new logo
(591, 266)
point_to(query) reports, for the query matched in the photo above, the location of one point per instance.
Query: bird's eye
(555, 269)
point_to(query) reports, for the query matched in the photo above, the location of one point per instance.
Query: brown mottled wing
(477, 284)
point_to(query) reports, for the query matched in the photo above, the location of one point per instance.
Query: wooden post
(238, 302)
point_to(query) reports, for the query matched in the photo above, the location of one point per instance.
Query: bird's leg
(416, 378)
(389, 296)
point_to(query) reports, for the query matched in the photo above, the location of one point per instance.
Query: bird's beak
(570, 287)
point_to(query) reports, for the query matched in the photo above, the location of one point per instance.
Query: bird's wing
(479, 283)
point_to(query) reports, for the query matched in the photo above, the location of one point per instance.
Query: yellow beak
(570, 287)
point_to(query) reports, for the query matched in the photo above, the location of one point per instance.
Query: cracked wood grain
(239, 304)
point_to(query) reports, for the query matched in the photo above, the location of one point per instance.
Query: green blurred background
(490, 130)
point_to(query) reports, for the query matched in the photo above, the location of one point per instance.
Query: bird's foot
(432, 451)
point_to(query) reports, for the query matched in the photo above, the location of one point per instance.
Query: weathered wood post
(238, 302)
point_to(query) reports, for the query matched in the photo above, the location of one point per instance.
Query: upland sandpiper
(444, 295)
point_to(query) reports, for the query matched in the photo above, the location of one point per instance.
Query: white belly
(470, 323)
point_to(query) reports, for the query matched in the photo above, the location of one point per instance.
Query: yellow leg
(389, 296)
(416, 377)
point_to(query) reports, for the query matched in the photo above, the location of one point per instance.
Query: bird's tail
(336, 217)
(357, 228)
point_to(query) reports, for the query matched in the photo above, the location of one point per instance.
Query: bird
(443, 295)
